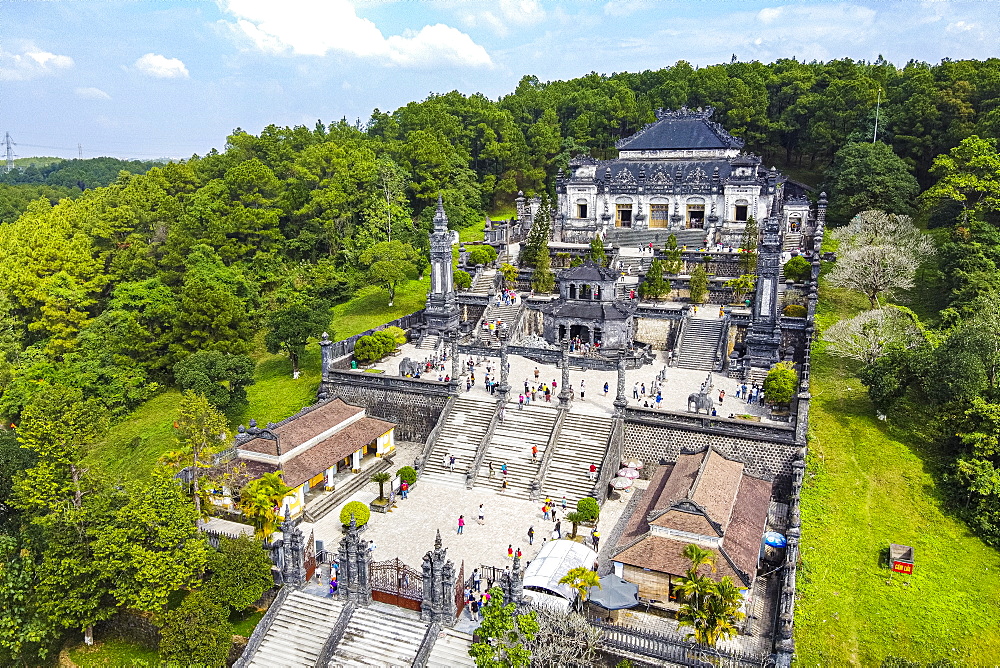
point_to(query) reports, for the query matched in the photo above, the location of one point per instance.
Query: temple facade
(682, 172)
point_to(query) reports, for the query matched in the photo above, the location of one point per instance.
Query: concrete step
(699, 344)
(460, 435)
(380, 635)
(451, 650)
(582, 440)
(511, 444)
(429, 342)
(298, 632)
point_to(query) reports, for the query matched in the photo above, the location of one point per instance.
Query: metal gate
(310, 556)
(395, 583)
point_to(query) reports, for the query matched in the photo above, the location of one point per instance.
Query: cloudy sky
(169, 78)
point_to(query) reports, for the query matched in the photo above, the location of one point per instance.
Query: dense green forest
(114, 287)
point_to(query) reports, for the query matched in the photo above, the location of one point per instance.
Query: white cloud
(161, 67)
(92, 94)
(317, 27)
(31, 62)
(506, 14)
(960, 26)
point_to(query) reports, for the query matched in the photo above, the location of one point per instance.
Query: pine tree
(748, 244)
(653, 285)
(698, 286)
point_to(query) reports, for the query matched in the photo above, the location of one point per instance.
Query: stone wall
(657, 332)
(414, 409)
(763, 458)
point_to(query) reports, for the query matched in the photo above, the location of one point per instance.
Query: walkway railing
(675, 650)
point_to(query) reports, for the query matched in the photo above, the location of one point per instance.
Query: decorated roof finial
(440, 217)
(437, 541)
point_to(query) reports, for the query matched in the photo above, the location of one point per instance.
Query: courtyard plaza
(675, 389)
(409, 529)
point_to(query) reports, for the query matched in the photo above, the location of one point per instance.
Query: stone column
(621, 400)
(566, 393)
(504, 386)
(293, 570)
(455, 369)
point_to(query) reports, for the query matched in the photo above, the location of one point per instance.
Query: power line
(10, 152)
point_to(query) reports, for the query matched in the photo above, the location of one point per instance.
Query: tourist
(510, 551)
(534, 453)
(482, 515)
(595, 536)
(404, 489)
(531, 535)
(526, 386)
(451, 462)
(552, 513)
(461, 523)
(473, 608)
(582, 388)
(659, 398)
(635, 391)
(503, 470)
(744, 388)
(713, 411)
(477, 580)
(548, 395)
(592, 471)
(468, 385)
(558, 529)
(545, 511)
(504, 484)
(520, 402)
(642, 390)
(605, 388)
(722, 395)
(536, 373)
(564, 504)
(490, 477)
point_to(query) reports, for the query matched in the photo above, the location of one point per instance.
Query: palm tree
(576, 518)
(581, 580)
(381, 478)
(698, 556)
(260, 501)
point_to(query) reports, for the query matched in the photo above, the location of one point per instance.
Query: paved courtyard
(678, 385)
(408, 531)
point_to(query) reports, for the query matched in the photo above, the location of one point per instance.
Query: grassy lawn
(370, 307)
(116, 653)
(244, 627)
(869, 483)
(132, 446)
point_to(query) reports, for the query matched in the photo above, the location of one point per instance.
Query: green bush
(373, 347)
(360, 512)
(482, 255)
(781, 383)
(198, 632)
(589, 508)
(397, 334)
(798, 269)
(795, 311)
(408, 474)
(240, 572)
(463, 280)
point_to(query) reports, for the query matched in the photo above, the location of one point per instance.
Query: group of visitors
(751, 395)
(534, 392)
(507, 298)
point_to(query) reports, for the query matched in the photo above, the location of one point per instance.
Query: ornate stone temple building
(682, 172)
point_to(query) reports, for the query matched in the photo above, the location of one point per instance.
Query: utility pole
(10, 152)
(878, 104)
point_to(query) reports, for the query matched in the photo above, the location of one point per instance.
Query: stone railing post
(566, 393)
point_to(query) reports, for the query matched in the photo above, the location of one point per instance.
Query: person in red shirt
(593, 472)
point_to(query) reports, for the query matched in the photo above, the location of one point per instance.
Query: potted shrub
(589, 510)
(381, 504)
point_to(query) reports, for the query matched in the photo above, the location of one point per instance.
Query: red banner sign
(902, 567)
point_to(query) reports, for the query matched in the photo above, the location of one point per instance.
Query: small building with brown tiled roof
(311, 447)
(703, 498)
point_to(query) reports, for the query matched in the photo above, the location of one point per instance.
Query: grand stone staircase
(505, 313)
(483, 282)
(460, 435)
(693, 238)
(451, 650)
(791, 241)
(633, 265)
(699, 343)
(380, 635)
(298, 632)
(429, 342)
(511, 444)
(582, 441)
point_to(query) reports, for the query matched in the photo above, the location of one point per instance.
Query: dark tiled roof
(302, 426)
(324, 454)
(663, 555)
(588, 271)
(637, 524)
(681, 130)
(596, 311)
(746, 526)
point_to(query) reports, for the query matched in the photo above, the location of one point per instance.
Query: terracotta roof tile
(299, 428)
(637, 524)
(717, 487)
(742, 540)
(663, 555)
(685, 521)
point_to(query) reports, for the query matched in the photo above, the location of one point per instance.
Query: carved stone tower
(293, 553)
(354, 561)
(764, 338)
(441, 312)
(438, 604)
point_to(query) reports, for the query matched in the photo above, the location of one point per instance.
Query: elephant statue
(408, 367)
(700, 401)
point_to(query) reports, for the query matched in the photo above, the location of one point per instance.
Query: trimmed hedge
(408, 474)
(360, 512)
(795, 311)
(588, 507)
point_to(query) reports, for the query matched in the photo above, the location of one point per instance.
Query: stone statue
(701, 399)
(408, 367)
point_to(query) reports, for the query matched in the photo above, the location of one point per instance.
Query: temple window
(742, 211)
(581, 209)
(658, 215)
